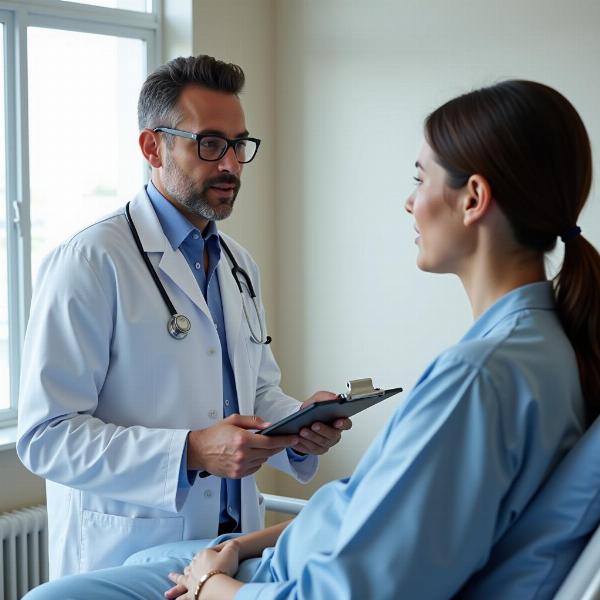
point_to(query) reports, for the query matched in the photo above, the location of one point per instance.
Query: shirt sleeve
(186, 476)
(294, 456)
(424, 502)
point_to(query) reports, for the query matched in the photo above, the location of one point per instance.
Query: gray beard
(181, 188)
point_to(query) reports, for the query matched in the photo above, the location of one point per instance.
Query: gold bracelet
(204, 579)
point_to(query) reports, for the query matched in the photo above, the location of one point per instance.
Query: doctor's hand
(229, 449)
(319, 437)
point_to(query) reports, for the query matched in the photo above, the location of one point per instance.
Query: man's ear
(150, 146)
(477, 199)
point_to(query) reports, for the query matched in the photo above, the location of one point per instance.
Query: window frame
(17, 17)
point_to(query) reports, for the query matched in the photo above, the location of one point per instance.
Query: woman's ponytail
(577, 288)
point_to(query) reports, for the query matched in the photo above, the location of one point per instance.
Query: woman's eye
(418, 181)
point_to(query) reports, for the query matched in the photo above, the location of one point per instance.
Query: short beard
(181, 188)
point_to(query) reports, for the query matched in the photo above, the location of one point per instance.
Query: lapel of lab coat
(232, 310)
(172, 262)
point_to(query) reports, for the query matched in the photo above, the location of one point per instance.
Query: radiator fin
(23, 551)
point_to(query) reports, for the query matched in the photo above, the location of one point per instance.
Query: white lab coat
(108, 396)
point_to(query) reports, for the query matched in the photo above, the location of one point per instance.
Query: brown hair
(162, 88)
(530, 144)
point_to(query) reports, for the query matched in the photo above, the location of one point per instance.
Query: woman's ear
(477, 199)
(150, 146)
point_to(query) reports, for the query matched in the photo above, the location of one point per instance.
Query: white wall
(18, 487)
(354, 81)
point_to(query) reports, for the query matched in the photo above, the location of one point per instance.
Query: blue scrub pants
(143, 576)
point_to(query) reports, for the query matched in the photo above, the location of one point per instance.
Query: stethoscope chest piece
(179, 326)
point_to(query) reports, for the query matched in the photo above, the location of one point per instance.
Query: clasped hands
(231, 449)
(225, 557)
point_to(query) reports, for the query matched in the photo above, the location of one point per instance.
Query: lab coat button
(211, 351)
(207, 493)
(212, 413)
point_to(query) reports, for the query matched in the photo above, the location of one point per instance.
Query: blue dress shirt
(192, 243)
(453, 468)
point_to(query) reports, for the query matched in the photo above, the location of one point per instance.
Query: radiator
(23, 551)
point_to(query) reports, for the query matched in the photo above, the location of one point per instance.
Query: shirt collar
(174, 224)
(539, 295)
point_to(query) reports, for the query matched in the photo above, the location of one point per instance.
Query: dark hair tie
(570, 234)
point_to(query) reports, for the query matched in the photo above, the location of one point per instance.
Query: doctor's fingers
(272, 442)
(247, 421)
(254, 465)
(343, 424)
(319, 438)
(308, 447)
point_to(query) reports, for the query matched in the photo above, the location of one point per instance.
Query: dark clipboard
(361, 395)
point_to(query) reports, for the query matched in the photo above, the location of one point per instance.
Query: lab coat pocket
(108, 540)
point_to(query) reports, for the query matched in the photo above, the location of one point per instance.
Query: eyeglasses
(213, 147)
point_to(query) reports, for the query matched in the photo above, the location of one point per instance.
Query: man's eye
(211, 144)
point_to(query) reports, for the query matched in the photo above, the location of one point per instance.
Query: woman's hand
(224, 557)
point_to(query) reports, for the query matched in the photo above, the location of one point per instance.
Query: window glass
(84, 157)
(4, 364)
(139, 5)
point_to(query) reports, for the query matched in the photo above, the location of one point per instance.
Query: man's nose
(229, 163)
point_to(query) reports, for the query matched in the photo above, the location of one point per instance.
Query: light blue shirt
(453, 468)
(191, 242)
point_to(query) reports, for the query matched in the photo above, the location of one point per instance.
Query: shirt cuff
(186, 478)
(295, 456)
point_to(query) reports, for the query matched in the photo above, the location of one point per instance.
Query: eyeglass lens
(214, 148)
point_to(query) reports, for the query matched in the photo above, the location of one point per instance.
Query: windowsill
(8, 437)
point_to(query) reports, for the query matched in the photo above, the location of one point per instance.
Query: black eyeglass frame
(198, 137)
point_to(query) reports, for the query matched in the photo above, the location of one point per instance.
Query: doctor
(120, 412)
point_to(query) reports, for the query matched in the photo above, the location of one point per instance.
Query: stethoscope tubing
(179, 325)
(147, 262)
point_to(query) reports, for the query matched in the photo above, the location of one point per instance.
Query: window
(139, 5)
(70, 77)
(4, 353)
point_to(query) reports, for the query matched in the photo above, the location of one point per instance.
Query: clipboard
(360, 396)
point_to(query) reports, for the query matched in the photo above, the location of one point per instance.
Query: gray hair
(162, 88)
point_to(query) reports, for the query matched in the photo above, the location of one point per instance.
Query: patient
(502, 174)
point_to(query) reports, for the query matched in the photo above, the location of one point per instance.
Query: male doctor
(116, 412)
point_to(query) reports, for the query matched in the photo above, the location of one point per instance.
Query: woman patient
(503, 173)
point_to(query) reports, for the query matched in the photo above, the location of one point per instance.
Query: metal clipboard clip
(361, 388)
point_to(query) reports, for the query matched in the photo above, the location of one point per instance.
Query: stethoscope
(179, 325)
